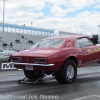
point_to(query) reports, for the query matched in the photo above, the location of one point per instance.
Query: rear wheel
(33, 74)
(67, 73)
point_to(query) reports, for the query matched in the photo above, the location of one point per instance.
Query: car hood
(36, 52)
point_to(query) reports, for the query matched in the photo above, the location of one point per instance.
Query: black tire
(33, 74)
(68, 72)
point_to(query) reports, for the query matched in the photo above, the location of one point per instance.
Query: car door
(88, 50)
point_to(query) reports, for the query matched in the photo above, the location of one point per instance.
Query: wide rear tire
(68, 72)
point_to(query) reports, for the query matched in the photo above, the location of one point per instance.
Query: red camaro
(59, 56)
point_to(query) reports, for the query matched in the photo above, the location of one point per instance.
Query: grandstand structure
(63, 33)
(22, 33)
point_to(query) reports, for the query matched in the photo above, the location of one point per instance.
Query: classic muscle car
(59, 56)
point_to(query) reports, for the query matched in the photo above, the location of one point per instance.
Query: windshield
(52, 43)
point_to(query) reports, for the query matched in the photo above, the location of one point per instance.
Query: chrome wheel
(70, 72)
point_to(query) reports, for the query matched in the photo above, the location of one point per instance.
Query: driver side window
(83, 42)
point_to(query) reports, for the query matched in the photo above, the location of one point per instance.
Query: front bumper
(33, 64)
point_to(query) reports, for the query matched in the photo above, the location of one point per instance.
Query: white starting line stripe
(12, 74)
(85, 97)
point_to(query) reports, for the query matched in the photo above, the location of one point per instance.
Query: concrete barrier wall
(7, 66)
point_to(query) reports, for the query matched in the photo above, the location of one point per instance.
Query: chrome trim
(44, 65)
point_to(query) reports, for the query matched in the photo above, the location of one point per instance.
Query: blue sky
(81, 16)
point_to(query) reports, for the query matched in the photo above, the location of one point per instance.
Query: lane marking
(85, 97)
(12, 74)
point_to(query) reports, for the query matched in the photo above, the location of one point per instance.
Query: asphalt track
(86, 87)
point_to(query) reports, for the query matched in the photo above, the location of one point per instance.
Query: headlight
(40, 60)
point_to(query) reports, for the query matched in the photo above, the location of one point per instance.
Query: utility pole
(3, 14)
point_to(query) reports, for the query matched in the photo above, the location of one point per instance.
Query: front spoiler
(43, 65)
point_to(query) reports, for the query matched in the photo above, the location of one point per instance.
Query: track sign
(7, 66)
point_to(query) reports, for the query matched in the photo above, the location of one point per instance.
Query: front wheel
(33, 74)
(67, 73)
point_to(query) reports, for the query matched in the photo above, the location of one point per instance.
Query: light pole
(3, 14)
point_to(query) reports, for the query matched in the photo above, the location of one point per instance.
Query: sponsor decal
(87, 63)
(69, 44)
(80, 63)
(92, 51)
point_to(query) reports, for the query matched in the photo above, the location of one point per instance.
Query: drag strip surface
(86, 87)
